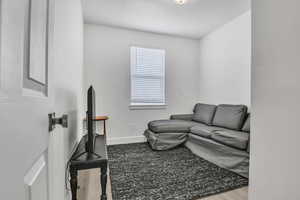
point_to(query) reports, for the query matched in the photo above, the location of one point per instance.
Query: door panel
(36, 180)
(33, 160)
(35, 68)
(23, 116)
(38, 12)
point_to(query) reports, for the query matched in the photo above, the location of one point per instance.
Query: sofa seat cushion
(188, 117)
(230, 116)
(175, 126)
(204, 113)
(231, 138)
(204, 130)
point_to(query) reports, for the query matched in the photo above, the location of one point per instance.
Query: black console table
(81, 160)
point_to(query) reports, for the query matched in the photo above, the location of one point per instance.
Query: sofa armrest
(187, 117)
(248, 147)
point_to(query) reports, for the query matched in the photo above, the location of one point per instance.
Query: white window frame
(146, 105)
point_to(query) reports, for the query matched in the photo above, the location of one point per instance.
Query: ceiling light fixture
(180, 2)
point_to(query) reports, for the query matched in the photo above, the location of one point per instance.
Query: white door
(40, 73)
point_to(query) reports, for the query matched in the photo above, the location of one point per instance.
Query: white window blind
(147, 76)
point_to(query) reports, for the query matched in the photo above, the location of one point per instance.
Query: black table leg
(103, 181)
(73, 173)
(104, 128)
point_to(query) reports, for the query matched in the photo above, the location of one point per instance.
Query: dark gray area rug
(139, 173)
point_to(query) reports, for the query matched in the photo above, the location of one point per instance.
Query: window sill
(147, 106)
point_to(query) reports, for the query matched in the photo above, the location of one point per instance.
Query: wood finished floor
(89, 183)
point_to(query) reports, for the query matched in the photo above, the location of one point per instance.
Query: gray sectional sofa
(219, 134)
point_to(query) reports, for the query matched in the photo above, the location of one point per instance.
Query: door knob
(63, 121)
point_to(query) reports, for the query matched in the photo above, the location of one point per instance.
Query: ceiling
(193, 20)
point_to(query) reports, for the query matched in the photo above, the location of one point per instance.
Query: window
(147, 77)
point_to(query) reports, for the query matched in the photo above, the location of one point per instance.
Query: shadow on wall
(67, 103)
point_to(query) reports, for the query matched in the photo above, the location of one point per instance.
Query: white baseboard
(126, 140)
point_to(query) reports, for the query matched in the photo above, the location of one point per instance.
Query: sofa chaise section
(167, 134)
(164, 141)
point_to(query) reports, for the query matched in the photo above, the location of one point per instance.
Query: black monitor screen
(91, 126)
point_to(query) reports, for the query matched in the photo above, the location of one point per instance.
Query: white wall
(275, 147)
(68, 82)
(225, 56)
(107, 68)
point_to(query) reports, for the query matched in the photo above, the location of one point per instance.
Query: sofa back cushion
(230, 116)
(246, 126)
(204, 113)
